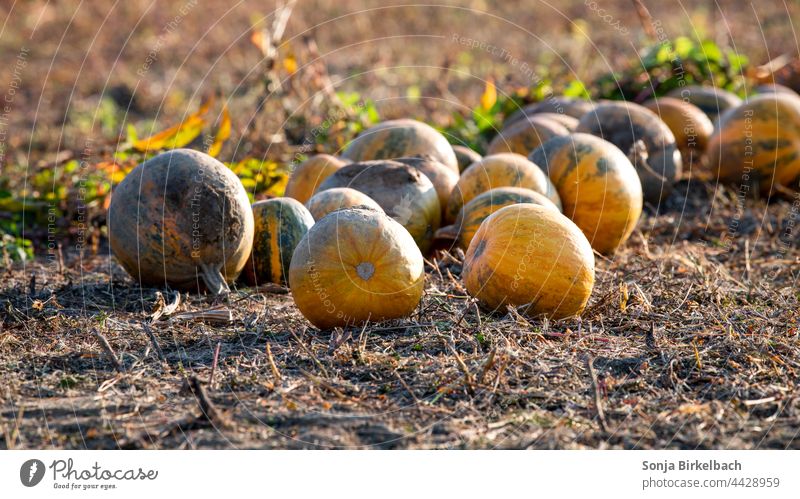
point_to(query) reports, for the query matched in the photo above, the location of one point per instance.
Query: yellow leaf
(259, 39)
(223, 132)
(290, 64)
(489, 96)
(178, 135)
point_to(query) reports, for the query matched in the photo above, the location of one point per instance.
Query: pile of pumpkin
(563, 179)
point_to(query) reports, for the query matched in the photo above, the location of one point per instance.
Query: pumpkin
(443, 178)
(773, 88)
(756, 144)
(690, 126)
(465, 157)
(533, 257)
(331, 200)
(356, 265)
(525, 135)
(403, 192)
(178, 217)
(556, 105)
(280, 223)
(307, 176)
(623, 124)
(568, 122)
(499, 170)
(401, 138)
(598, 186)
(711, 100)
(479, 208)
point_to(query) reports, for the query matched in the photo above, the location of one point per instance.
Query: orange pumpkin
(479, 208)
(403, 192)
(280, 223)
(465, 157)
(443, 178)
(525, 135)
(337, 198)
(598, 187)
(356, 265)
(498, 170)
(401, 138)
(624, 124)
(568, 122)
(773, 88)
(711, 100)
(533, 257)
(756, 144)
(690, 126)
(556, 105)
(307, 176)
(178, 217)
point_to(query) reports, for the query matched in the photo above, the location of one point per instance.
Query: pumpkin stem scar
(365, 270)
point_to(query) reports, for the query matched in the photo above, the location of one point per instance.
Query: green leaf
(576, 89)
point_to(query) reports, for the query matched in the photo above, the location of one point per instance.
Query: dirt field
(690, 339)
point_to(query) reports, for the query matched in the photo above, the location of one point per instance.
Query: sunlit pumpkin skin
(557, 105)
(598, 186)
(499, 170)
(690, 126)
(403, 192)
(622, 124)
(307, 176)
(465, 157)
(331, 200)
(280, 224)
(401, 138)
(712, 101)
(179, 217)
(758, 144)
(525, 135)
(443, 178)
(479, 208)
(356, 265)
(533, 257)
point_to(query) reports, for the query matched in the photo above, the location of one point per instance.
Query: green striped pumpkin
(280, 223)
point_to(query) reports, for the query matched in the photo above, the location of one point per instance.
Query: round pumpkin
(443, 178)
(499, 170)
(756, 144)
(598, 186)
(525, 135)
(690, 126)
(179, 216)
(712, 101)
(280, 223)
(774, 88)
(568, 122)
(465, 157)
(557, 105)
(401, 138)
(356, 265)
(307, 176)
(479, 208)
(625, 123)
(331, 200)
(403, 192)
(533, 257)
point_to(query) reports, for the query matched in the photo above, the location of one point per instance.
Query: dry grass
(692, 345)
(690, 339)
